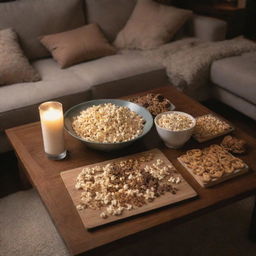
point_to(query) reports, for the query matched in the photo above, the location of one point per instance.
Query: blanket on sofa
(188, 61)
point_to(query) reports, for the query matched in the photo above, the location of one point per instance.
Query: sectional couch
(110, 76)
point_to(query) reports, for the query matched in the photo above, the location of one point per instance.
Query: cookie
(234, 145)
(154, 103)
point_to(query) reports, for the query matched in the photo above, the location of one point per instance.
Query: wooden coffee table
(44, 174)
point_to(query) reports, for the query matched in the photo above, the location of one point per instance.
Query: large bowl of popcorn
(175, 128)
(107, 124)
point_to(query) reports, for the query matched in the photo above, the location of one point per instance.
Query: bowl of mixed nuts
(175, 128)
(107, 124)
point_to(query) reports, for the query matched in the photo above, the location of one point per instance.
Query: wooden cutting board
(215, 181)
(91, 218)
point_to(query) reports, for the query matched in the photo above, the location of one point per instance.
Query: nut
(210, 125)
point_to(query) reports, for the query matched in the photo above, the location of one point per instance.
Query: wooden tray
(203, 139)
(214, 181)
(91, 218)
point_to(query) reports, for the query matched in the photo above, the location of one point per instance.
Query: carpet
(27, 230)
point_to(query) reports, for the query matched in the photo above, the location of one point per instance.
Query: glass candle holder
(51, 116)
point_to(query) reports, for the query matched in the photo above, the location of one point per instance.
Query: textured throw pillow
(151, 25)
(14, 66)
(78, 45)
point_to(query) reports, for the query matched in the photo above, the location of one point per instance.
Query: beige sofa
(110, 76)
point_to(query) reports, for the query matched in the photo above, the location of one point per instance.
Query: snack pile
(154, 103)
(108, 123)
(234, 145)
(175, 121)
(209, 126)
(211, 163)
(125, 184)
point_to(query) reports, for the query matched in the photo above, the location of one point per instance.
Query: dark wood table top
(45, 176)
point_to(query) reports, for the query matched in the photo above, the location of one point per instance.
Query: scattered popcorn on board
(126, 184)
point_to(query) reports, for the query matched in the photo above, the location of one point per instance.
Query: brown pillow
(78, 45)
(14, 66)
(151, 25)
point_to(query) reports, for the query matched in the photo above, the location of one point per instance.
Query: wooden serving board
(202, 139)
(214, 181)
(91, 218)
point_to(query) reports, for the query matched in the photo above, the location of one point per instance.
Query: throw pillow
(78, 45)
(14, 66)
(151, 25)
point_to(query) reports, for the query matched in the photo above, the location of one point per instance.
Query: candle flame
(52, 114)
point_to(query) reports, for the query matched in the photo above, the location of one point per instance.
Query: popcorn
(175, 122)
(125, 184)
(108, 123)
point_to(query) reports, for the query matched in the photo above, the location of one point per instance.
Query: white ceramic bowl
(174, 139)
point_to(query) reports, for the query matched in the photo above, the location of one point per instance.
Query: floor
(27, 230)
(223, 232)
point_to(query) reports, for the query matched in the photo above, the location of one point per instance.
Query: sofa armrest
(208, 28)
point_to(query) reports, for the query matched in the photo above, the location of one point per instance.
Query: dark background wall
(250, 27)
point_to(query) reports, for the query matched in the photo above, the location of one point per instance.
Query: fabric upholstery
(110, 15)
(79, 79)
(55, 83)
(14, 66)
(78, 45)
(151, 25)
(113, 68)
(234, 101)
(207, 28)
(32, 18)
(237, 75)
(130, 85)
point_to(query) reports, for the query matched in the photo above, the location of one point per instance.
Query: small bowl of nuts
(107, 124)
(175, 128)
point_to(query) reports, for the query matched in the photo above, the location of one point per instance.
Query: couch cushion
(78, 45)
(112, 76)
(110, 15)
(55, 83)
(120, 75)
(113, 68)
(19, 102)
(237, 75)
(234, 101)
(32, 18)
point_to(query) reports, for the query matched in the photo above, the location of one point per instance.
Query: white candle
(51, 116)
